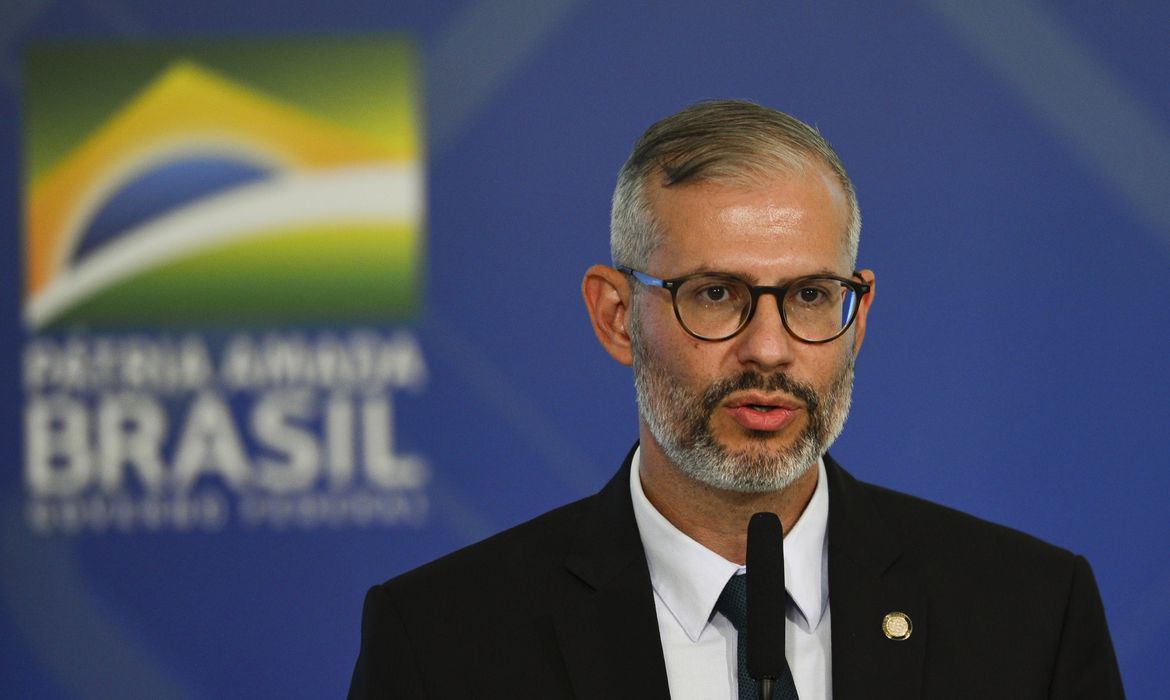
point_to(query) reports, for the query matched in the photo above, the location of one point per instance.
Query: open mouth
(762, 413)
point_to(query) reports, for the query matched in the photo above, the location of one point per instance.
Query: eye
(714, 293)
(812, 293)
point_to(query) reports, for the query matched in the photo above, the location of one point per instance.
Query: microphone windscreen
(765, 597)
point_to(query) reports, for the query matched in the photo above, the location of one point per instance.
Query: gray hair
(718, 140)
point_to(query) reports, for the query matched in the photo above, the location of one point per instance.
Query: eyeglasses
(715, 306)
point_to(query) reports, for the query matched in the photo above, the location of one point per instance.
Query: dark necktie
(733, 604)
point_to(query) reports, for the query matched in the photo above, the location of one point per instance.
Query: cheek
(690, 362)
(659, 331)
(820, 365)
(685, 358)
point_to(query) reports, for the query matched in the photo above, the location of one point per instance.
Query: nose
(765, 342)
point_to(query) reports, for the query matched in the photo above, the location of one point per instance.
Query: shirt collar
(688, 577)
(806, 555)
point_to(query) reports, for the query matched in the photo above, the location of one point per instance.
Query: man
(735, 298)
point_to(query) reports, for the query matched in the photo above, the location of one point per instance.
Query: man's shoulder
(951, 539)
(539, 543)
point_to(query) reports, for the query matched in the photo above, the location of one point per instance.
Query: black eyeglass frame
(755, 291)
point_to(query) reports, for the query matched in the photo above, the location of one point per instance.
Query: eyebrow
(751, 279)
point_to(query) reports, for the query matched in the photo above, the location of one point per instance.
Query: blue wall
(1012, 159)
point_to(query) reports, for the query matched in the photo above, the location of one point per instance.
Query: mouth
(758, 412)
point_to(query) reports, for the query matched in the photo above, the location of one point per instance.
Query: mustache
(720, 390)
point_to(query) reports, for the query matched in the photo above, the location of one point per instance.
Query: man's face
(753, 412)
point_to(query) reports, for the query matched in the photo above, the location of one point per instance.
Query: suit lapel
(608, 631)
(868, 579)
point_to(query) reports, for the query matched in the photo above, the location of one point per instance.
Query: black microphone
(765, 601)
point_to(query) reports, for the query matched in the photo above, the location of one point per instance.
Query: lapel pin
(896, 626)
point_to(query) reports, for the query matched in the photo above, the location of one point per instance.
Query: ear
(607, 297)
(863, 309)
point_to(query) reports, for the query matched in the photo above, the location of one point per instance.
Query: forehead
(771, 226)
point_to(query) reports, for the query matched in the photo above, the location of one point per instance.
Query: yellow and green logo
(222, 184)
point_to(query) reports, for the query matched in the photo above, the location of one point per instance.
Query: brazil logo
(223, 252)
(222, 185)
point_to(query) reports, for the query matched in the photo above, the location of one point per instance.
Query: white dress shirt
(699, 644)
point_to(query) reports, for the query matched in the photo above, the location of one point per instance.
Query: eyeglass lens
(814, 308)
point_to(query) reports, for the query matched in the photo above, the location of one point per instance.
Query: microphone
(765, 601)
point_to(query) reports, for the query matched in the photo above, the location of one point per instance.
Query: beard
(680, 421)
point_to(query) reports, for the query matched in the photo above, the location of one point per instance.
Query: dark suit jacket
(561, 607)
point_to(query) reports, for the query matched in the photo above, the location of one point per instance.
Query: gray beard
(680, 422)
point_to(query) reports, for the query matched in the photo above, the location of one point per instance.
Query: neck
(715, 518)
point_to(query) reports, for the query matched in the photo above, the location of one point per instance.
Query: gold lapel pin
(896, 626)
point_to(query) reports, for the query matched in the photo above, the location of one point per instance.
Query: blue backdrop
(1012, 159)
